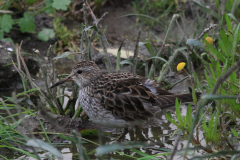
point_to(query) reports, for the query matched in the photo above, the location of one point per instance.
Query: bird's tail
(169, 100)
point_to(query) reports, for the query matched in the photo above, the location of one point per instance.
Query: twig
(25, 67)
(175, 147)
(135, 57)
(233, 83)
(85, 15)
(44, 73)
(229, 144)
(52, 78)
(8, 111)
(91, 12)
(5, 11)
(98, 23)
(207, 30)
(198, 143)
(100, 20)
(179, 81)
(17, 55)
(222, 2)
(190, 77)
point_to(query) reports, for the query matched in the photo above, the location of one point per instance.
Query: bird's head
(83, 73)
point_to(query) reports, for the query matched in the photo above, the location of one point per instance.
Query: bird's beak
(68, 78)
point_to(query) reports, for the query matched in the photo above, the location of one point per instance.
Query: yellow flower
(209, 40)
(181, 66)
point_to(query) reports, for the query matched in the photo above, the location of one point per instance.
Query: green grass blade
(119, 57)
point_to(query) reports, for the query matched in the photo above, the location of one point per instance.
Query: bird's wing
(133, 98)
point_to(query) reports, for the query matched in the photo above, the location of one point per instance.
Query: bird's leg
(145, 132)
(131, 134)
(125, 131)
(139, 134)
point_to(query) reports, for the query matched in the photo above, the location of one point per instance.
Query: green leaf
(5, 4)
(1, 34)
(127, 61)
(204, 125)
(170, 118)
(19, 150)
(89, 133)
(89, 50)
(215, 53)
(103, 37)
(195, 42)
(149, 47)
(91, 27)
(235, 41)
(61, 4)
(50, 8)
(178, 113)
(46, 34)
(218, 69)
(6, 39)
(194, 95)
(45, 146)
(210, 127)
(26, 23)
(234, 132)
(214, 131)
(65, 54)
(203, 8)
(233, 78)
(215, 96)
(160, 58)
(228, 21)
(119, 57)
(225, 44)
(232, 17)
(6, 23)
(29, 2)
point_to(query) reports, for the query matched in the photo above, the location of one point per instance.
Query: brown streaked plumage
(119, 99)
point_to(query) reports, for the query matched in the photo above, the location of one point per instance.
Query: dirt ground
(116, 29)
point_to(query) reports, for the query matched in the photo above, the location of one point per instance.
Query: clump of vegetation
(216, 114)
(20, 15)
(157, 10)
(29, 9)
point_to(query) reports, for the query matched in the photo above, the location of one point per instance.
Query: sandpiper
(119, 99)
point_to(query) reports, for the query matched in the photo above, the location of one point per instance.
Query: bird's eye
(79, 71)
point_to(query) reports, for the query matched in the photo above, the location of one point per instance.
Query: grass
(215, 115)
(152, 12)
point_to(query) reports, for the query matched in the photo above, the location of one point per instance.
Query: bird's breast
(90, 103)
